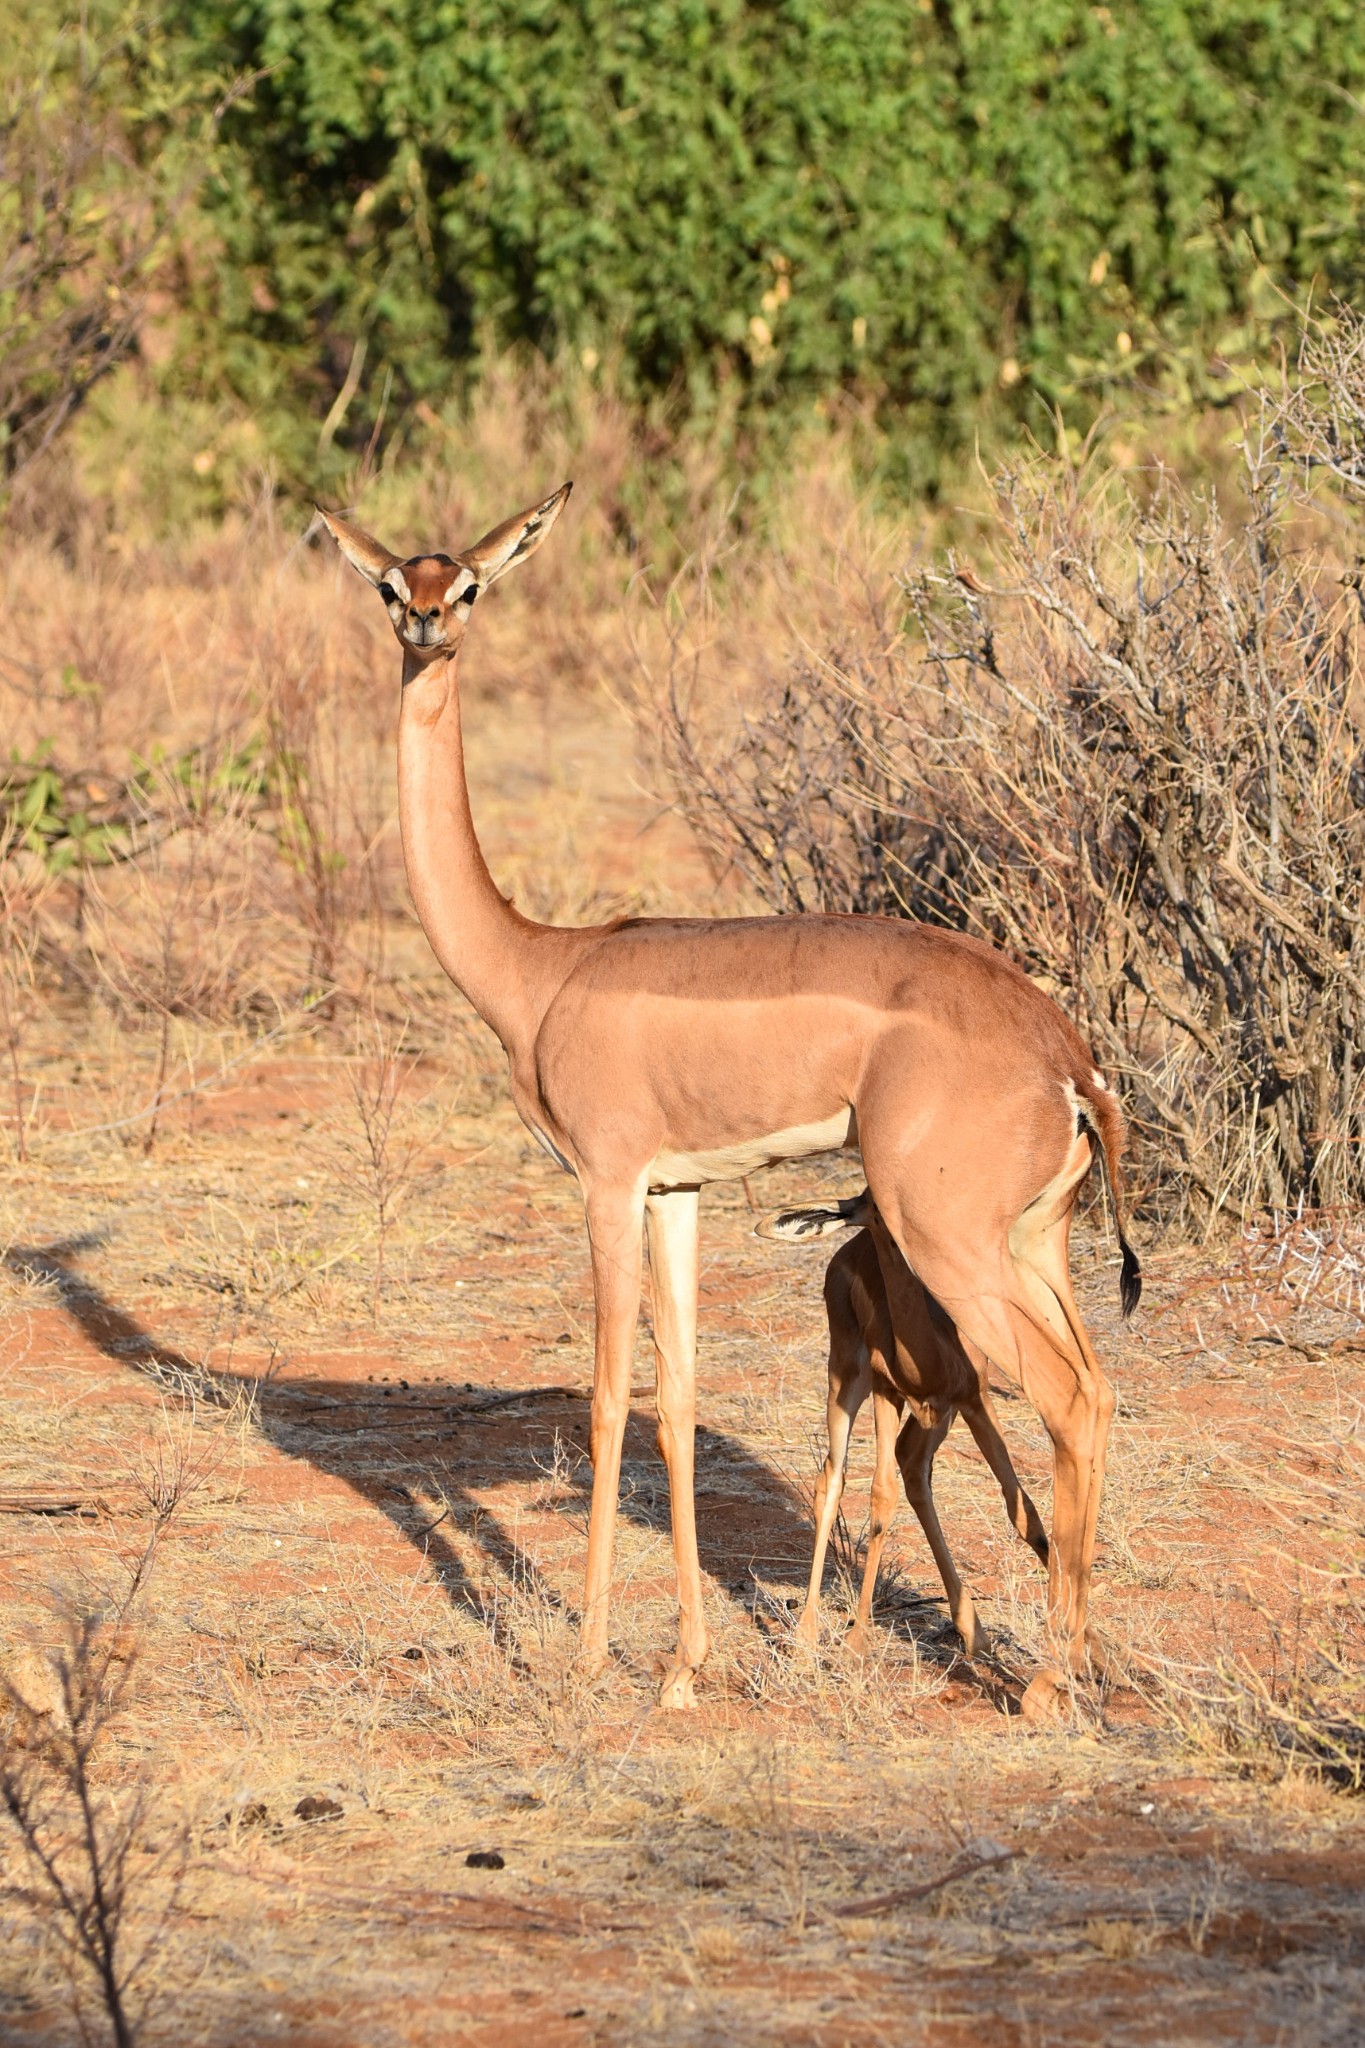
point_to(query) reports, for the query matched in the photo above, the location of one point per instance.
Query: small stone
(485, 1859)
(986, 1849)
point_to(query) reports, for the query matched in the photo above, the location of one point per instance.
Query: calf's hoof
(975, 1642)
(1046, 1696)
(677, 1694)
(590, 1663)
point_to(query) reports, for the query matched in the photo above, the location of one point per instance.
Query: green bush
(949, 208)
(962, 216)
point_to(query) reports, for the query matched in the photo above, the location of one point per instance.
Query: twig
(905, 1895)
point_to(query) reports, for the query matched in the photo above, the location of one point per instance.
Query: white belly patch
(837, 1133)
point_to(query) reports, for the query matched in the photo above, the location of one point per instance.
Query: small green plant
(68, 820)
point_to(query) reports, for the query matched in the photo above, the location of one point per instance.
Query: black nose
(420, 618)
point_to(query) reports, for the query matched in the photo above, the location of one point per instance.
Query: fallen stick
(43, 1500)
(906, 1895)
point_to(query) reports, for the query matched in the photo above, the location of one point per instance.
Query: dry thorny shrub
(223, 857)
(74, 284)
(18, 995)
(101, 1861)
(1310, 1259)
(1133, 759)
(226, 876)
(84, 1844)
(374, 1144)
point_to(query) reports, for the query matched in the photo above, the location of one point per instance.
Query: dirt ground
(371, 1477)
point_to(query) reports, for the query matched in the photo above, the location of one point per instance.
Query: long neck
(489, 950)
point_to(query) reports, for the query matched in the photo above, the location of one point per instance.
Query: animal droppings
(316, 1806)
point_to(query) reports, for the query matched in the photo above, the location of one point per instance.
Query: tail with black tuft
(1099, 1110)
(796, 1225)
(1130, 1278)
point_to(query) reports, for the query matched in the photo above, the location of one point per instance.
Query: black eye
(388, 593)
(470, 594)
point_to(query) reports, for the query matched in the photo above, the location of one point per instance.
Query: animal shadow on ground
(453, 1443)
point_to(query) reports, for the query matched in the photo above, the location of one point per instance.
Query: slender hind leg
(1009, 1295)
(915, 1452)
(979, 1416)
(1006, 1316)
(850, 1382)
(886, 1407)
(1076, 1404)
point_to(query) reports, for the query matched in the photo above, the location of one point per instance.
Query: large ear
(515, 540)
(373, 561)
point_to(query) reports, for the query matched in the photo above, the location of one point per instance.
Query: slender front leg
(615, 1218)
(850, 1382)
(672, 1222)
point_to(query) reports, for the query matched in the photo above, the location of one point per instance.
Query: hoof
(858, 1641)
(1045, 1697)
(976, 1642)
(971, 1637)
(677, 1694)
(803, 1644)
